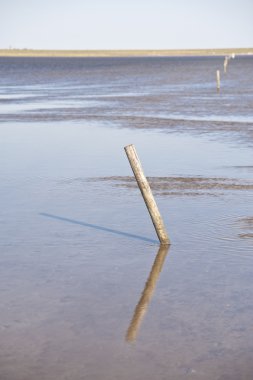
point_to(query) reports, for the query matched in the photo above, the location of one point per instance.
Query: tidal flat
(86, 291)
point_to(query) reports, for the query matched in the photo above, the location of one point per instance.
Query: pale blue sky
(126, 24)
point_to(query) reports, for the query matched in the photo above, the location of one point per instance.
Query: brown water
(86, 293)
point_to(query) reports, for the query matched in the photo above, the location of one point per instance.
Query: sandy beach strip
(123, 53)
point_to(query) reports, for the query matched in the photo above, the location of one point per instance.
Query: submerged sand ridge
(241, 131)
(182, 186)
(246, 225)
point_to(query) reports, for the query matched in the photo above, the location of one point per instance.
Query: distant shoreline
(124, 53)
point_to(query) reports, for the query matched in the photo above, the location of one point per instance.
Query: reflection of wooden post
(218, 80)
(147, 194)
(147, 293)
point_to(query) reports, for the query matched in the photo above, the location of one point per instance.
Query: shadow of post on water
(142, 306)
(100, 228)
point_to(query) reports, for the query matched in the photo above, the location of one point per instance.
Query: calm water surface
(86, 293)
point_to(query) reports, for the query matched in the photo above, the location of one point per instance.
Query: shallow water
(85, 291)
(172, 94)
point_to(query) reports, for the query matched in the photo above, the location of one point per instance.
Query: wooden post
(147, 294)
(225, 64)
(218, 80)
(147, 194)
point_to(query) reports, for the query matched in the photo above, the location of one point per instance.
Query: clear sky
(126, 24)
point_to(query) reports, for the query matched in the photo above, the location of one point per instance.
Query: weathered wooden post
(147, 194)
(218, 80)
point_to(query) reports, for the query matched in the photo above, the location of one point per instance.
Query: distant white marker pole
(225, 65)
(218, 80)
(147, 194)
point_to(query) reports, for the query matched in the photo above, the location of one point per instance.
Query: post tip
(129, 146)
